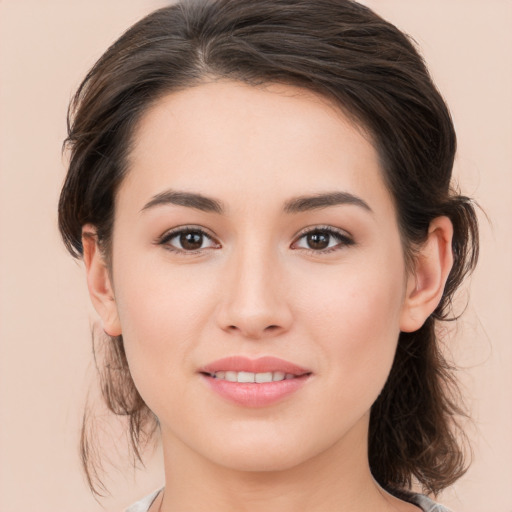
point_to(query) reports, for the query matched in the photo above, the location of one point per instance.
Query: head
(362, 85)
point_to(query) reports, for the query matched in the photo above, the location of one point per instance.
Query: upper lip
(259, 365)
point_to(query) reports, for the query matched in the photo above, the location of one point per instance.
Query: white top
(144, 504)
(426, 504)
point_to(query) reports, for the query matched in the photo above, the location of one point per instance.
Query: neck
(337, 479)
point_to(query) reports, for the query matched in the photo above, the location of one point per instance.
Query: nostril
(254, 333)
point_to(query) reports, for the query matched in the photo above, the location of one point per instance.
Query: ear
(99, 282)
(426, 281)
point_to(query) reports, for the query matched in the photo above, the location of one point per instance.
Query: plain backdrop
(46, 47)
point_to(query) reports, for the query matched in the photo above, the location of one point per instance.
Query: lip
(260, 365)
(252, 394)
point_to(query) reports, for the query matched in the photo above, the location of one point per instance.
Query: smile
(251, 377)
(258, 382)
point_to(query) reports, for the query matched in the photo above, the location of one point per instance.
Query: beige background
(45, 358)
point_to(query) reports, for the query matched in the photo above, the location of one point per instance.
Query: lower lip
(256, 395)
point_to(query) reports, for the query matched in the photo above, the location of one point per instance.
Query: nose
(253, 299)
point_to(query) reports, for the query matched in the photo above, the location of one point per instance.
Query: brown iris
(318, 240)
(191, 240)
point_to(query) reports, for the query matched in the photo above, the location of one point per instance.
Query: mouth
(251, 377)
(258, 371)
(254, 382)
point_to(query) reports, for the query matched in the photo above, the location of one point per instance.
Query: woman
(261, 195)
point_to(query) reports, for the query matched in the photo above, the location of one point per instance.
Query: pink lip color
(252, 394)
(260, 365)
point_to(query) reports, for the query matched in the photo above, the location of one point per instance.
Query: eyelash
(169, 235)
(344, 240)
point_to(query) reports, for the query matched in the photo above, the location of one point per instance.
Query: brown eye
(318, 240)
(191, 241)
(323, 240)
(187, 240)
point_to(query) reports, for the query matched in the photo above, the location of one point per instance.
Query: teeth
(231, 376)
(263, 377)
(252, 377)
(245, 377)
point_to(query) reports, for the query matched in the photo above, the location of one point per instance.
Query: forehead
(227, 139)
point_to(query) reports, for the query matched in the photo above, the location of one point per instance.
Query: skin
(256, 288)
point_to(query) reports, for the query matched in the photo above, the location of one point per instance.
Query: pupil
(192, 240)
(318, 240)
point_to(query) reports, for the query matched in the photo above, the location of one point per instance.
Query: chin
(267, 451)
(261, 460)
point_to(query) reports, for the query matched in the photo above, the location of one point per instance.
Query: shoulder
(144, 504)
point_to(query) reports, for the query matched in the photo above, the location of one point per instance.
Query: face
(254, 239)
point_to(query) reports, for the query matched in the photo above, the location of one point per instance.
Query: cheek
(355, 320)
(159, 298)
(162, 316)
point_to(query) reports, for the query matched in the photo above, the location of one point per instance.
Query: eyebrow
(319, 201)
(188, 199)
(295, 205)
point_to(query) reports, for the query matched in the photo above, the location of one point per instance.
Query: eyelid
(345, 239)
(172, 233)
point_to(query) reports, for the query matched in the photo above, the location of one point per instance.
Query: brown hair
(371, 70)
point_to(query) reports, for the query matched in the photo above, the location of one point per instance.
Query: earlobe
(425, 285)
(99, 282)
